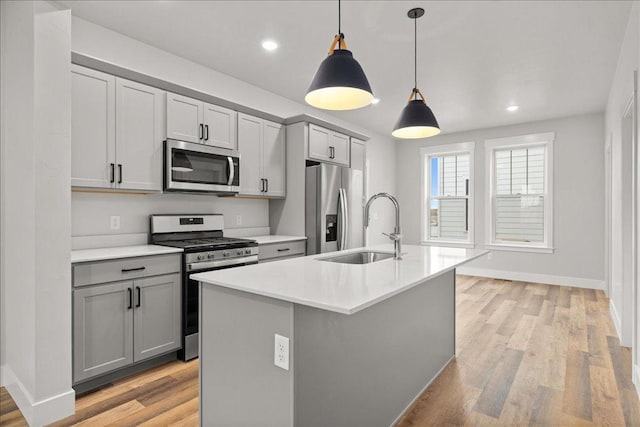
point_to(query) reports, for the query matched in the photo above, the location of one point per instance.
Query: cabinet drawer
(122, 269)
(280, 250)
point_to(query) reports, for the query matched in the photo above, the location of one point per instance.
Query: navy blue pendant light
(416, 120)
(340, 82)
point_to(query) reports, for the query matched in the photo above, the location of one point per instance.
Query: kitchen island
(364, 339)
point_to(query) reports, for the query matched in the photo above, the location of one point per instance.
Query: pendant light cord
(340, 27)
(415, 57)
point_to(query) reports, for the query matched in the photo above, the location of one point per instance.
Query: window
(447, 202)
(519, 208)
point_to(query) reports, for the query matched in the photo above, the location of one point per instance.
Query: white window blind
(448, 200)
(519, 210)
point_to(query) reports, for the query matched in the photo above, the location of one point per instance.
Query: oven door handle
(198, 266)
(231, 171)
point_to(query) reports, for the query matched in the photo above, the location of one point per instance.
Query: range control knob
(210, 256)
(239, 251)
(200, 257)
(247, 251)
(225, 254)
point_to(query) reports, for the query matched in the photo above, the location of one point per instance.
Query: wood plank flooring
(528, 354)
(531, 354)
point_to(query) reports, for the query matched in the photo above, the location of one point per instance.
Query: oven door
(200, 168)
(191, 301)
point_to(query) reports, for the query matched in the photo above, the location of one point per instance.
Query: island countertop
(337, 287)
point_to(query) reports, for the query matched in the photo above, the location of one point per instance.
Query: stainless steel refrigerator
(334, 208)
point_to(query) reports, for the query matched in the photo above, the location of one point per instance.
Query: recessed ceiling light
(374, 101)
(269, 45)
(512, 108)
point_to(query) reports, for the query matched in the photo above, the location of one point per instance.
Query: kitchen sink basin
(363, 257)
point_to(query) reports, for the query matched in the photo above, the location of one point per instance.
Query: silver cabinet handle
(231, 171)
(266, 189)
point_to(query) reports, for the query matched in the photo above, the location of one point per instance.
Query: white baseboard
(42, 412)
(548, 279)
(615, 318)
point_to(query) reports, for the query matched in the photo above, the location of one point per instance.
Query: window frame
(545, 140)
(425, 181)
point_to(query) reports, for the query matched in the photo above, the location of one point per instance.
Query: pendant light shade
(340, 82)
(416, 120)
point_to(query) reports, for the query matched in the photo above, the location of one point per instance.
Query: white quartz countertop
(101, 254)
(264, 240)
(342, 288)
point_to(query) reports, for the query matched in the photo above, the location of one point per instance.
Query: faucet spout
(396, 236)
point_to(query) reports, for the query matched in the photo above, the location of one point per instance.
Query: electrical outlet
(114, 223)
(490, 256)
(238, 219)
(281, 352)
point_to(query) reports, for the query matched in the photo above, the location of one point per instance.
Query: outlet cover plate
(281, 352)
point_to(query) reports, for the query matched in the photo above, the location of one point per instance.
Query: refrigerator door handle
(340, 221)
(343, 229)
(346, 219)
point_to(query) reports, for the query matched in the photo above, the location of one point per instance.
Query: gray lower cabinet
(278, 251)
(122, 322)
(102, 329)
(156, 318)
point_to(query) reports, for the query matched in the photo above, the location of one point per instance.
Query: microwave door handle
(231, 171)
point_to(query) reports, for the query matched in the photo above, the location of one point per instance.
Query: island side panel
(365, 369)
(239, 383)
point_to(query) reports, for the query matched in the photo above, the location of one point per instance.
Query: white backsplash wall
(91, 215)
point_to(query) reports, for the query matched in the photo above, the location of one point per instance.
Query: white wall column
(36, 211)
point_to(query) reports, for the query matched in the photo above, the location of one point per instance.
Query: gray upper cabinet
(93, 128)
(328, 146)
(220, 126)
(134, 316)
(263, 157)
(116, 132)
(184, 118)
(102, 329)
(192, 120)
(156, 316)
(139, 130)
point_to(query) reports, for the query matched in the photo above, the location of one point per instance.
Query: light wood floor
(527, 354)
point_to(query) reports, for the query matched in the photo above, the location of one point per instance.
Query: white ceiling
(553, 58)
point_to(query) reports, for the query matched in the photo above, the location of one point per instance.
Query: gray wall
(91, 212)
(578, 199)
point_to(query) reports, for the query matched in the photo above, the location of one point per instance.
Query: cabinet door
(220, 127)
(184, 117)
(92, 128)
(273, 157)
(139, 124)
(102, 329)
(319, 143)
(156, 320)
(339, 144)
(250, 147)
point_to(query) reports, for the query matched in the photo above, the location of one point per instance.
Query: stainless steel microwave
(190, 167)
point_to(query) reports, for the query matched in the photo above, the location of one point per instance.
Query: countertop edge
(120, 252)
(275, 238)
(337, 309)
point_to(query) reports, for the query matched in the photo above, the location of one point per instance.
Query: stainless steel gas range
(205, 249)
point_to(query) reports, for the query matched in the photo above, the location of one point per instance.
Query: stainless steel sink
(363, 257)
